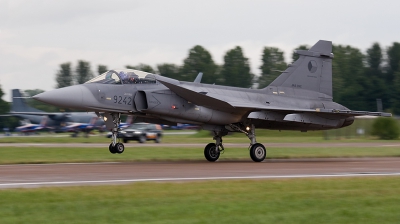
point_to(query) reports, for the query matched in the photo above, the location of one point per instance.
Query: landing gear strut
(257, 151)
(116, 147)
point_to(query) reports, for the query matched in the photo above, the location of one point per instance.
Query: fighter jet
(299, 99)
(32, 128)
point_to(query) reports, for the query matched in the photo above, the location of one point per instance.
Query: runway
(201, 145)
(66, 174)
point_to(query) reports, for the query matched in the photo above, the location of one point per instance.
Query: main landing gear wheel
(257, 152)
(211, 152)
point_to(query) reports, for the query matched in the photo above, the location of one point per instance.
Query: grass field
(201, 137)
(11, 155)
(337, 200)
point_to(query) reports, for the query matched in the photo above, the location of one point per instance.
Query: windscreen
(126, 76)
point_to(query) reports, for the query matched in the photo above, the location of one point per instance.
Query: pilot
(123, 77)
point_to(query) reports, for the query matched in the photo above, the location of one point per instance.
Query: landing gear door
(108, 120)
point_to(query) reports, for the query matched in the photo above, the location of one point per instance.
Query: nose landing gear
(115, 147)
(118, 148)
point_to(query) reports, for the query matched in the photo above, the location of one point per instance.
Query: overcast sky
(37, 36)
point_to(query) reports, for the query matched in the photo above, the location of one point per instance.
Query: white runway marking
(193, 179)
(56, 164)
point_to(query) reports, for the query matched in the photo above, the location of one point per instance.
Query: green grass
(203, 137)
(336, 200)
(12, 155)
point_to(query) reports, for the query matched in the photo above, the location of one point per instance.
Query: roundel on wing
(312, 66)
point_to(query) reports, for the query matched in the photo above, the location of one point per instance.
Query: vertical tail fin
(129, 119)
(93, 120)
(312, 71)
(43, 122)
(19, 104)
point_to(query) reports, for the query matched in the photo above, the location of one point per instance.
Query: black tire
(258, 152)
(158, 139)
(119, 148)
(111, 149)
(142, 139)
(210, 153)
(125, 140)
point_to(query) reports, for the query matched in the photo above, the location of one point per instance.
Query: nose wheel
(118, 148)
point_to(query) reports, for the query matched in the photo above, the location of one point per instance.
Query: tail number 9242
(127, 100)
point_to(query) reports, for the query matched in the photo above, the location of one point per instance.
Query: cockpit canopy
(125, 76)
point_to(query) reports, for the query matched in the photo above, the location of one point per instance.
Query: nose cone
(67, 97)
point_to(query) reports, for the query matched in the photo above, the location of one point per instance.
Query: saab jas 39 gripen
(299, 99)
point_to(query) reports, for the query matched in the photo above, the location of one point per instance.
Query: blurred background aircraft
(28, 127)
(36, 120)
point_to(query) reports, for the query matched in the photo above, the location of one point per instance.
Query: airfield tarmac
(201, 145)
(67, 174)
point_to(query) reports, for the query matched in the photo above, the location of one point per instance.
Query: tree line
(359, 79)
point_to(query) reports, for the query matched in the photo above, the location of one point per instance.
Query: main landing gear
(257, 151)
(213, 150)
(116, 147)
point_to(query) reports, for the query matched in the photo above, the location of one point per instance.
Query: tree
(4, 106)
(393, 54)
(6, 121)
(236, 69)
(395, 98)
(393, 76)
(64, 76)
(272, 63)
(301, 47)
(374, 58)
(199, 60)
(142, 67)
(169, 70)
(101, 69)
(347, 76)
(373, 81)
(386, 128)
(83, 72)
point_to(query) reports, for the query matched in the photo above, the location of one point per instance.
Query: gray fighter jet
(299, 99)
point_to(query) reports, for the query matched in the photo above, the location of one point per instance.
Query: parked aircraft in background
(55, 120)
(180, 126)
(127, 123)
(31, 128)
(82, 127)
(299, 99)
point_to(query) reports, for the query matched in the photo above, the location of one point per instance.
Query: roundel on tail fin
(312, 66)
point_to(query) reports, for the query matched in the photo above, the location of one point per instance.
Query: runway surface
(201, 145)
(38, 175)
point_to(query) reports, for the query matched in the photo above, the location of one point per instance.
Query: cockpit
(125, 76)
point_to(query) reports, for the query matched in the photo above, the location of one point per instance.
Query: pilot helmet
(122, 75)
